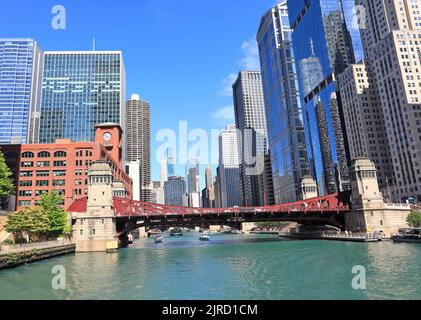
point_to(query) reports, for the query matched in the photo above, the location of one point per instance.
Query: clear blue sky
(178, 54)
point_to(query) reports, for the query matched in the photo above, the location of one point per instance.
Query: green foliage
(414, 219)
(7, 242)
(12, 258)
(57, 217)
(34, 221)
(6, 183)
(46, 221)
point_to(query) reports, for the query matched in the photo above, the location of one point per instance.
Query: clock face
(107, 136)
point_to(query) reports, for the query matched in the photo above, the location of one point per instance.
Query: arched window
(60, 154)
(27, 154)
(44, 154)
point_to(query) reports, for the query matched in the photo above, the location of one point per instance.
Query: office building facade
(250, 120)
(20, 90)
(229, 168)
(365, 125)
(323, 49)
(175, 191)
(79, 90)
(138, 141)
(63, 166)
(391, 35)
(286, 137)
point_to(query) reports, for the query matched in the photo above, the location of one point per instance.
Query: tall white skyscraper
(229, 167)
(138, 140)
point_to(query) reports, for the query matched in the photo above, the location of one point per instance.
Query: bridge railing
(329, 203)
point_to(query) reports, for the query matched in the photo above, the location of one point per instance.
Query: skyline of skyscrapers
(313, 107)
(283, 105)
(20, 90)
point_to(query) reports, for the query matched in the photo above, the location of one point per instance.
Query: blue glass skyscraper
(20, 90)
(283, 105)
(323, 48)
(79, 91)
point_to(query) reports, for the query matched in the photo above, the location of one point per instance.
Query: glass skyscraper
(323, 48)
(283, 105)
(20, 90)
(80, 90)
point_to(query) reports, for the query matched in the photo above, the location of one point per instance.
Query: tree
(33, 221)
(57, 217)
(6, 183)
(414, 219)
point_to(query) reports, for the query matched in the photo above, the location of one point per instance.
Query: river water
(227, 267)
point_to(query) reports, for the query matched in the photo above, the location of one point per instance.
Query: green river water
(227, 267)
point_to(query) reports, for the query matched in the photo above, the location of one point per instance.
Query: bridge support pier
(95, 229)
(369, 211)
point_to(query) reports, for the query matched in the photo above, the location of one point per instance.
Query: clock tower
(110, 136)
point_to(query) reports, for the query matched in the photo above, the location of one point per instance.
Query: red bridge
(133, 214)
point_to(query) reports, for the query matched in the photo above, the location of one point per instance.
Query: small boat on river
(158, 239)
(410, 235)
(176, 232)
(204, 237)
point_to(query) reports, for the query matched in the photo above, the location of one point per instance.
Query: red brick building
(63, 166)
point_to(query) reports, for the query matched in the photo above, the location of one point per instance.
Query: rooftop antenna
(93, 44)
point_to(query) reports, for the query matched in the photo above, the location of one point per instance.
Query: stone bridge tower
(369, 211)
(95, 229)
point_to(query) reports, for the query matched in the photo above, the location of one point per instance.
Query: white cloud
(224, 114)
(227, 83)
(250, 59)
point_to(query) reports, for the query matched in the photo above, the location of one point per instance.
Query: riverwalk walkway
(15, 255)
(352, 237)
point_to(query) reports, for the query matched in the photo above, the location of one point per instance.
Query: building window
(59, 182)
(25, 193)
(81, 232)
(44, 154)
(60, 154)
(27, 154)
(25, 183)
(43, 164)
(26, 174)
(93, 231)
(27, 164)
(24, 203)
(42, 183)
(43, 173)
(59, 173)
(61, 163)
(39, 193)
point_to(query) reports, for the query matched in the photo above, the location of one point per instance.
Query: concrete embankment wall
(15, 258)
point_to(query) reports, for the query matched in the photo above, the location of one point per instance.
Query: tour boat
(412, 235)
(158, 239)
(204, 237)
(130, 238)
(176, 232)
